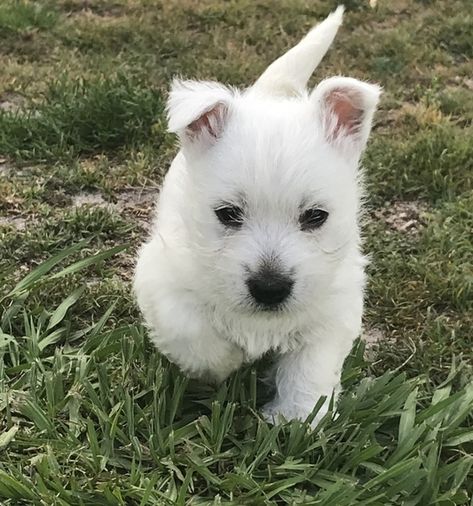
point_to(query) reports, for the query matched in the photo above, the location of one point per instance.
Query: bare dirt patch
(92, 8)
(4, 167)
(16, 222)
(403, 216)
(88, 199)
(372, 337)
(11, 102)
(136, 202)
(468, 83)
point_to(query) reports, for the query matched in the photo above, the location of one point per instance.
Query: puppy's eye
(230, 216)
(312, 219)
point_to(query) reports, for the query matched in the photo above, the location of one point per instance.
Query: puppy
(256, 242)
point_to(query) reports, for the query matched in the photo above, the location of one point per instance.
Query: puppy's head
(271, 185)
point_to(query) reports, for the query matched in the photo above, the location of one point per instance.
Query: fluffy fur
(274, 150)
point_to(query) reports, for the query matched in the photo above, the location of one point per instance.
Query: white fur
(289, 73)
(274, 155)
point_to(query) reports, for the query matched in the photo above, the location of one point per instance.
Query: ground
(89, 412)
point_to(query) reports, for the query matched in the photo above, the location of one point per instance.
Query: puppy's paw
(276, 412)
(272, 413)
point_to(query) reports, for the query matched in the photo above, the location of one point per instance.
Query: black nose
(269, 287)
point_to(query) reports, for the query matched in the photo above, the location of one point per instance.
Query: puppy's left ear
(344, 109)
(198, 111)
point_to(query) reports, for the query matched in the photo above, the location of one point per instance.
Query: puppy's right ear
(198, 110)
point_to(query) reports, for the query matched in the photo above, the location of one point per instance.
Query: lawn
(90, 413)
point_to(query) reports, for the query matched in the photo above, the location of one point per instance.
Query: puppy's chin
(283, 310)
(272, 310)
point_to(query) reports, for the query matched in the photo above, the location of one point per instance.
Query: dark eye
(312, 219)
(230, 216)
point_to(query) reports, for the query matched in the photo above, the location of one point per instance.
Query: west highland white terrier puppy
(256, 242)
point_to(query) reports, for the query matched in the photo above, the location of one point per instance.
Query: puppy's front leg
(189, 341)
(302, 376)
(204, 356)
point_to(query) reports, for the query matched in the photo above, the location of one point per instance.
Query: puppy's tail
(288, 75)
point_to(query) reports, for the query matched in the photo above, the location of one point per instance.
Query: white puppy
(256, 244)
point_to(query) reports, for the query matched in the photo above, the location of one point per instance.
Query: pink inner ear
(346, 113)
(211, 122)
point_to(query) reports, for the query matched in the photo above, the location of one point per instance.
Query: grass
(440, 155)
(89, 412)
(19, 17)
(102, 419)
(82, 117)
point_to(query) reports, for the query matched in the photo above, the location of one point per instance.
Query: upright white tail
(289, 74)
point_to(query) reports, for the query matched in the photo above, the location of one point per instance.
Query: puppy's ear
(345, 109)
(197, 110)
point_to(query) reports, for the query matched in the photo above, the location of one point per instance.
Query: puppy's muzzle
(269, 288)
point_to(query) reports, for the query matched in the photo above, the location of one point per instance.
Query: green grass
(89, 412)
(19, 16)
(102, 419)
(432, 163)
(82, 117)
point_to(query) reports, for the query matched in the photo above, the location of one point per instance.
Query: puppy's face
(272, 193)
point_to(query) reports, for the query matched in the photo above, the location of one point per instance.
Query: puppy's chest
(256, 338)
